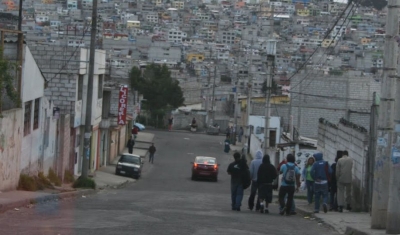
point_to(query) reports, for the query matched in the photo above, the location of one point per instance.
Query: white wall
(99, 69)
(259, 122)
(36, 154)
(342, 137)
(11, 131)
(32, 79)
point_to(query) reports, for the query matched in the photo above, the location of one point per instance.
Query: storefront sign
(122, 105)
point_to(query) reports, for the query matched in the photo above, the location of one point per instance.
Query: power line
(325, 37)
(326, 60)
(329, 97)
(69, 59)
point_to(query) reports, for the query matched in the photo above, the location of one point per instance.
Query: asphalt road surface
(164, 201)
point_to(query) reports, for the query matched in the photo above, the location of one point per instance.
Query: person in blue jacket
(321, 172)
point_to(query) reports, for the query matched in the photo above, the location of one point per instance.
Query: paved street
(163, 201)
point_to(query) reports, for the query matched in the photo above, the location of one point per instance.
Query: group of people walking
(333, 182)
(230, 133)
(318, 176)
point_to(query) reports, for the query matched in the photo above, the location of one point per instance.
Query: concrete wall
(38, 146)
(255, 144)
(32, 78)
(346, 136)
(330, 97)
(60, 68)
(183, 121)
(11, 132)
(63, 155)
(99, 70)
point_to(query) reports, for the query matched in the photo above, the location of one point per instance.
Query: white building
(176, 35)
(152, 18)
(39, 132)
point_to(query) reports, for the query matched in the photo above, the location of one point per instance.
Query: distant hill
(377, 4)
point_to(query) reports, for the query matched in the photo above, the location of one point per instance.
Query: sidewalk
(15, 199)
(104, 178)
(351, 223)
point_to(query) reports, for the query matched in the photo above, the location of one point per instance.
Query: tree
(377, 4)
(274, 88)
(157, 87)
(7, 80)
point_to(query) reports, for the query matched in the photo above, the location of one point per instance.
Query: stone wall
(353, 138)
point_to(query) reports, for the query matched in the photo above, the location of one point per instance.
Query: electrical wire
(69, 59)
(325, 37)
(331, 42)
(329, 97)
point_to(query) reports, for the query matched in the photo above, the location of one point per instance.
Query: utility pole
(383, 164)
(249, 93)
(210, 121)
(208, 88)
(372, 146)
(268, 82)
(393, 210)
(271, 52)
(236, 110)
(89, 97)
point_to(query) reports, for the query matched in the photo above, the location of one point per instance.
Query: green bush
(54, 178)
(68, 177)
(84, 183)
(27, 183)
(43, 182)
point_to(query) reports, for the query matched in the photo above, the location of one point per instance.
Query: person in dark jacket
(321, 173)
(265, 176)
(235, 170)
(152, 151)
(130, 145)
(333, 183)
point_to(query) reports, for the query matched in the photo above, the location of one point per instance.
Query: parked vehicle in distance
(205, 167)
(129, 165)
(213, 129)
(140, 126)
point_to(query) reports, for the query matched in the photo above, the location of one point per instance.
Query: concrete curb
(308, 213)
(118, 186)
(354, 231)
(44, 199)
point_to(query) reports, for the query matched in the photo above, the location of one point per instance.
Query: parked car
(205, 167)
(129, 165)
(140, 126)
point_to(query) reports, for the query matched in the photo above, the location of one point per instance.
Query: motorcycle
(193, 127)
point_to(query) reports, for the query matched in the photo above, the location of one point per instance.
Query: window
(36, 114)
(27, 118)
(100, 87)
(80, 87)
(272, 138)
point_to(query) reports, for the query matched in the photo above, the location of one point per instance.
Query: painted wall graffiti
(395, 157)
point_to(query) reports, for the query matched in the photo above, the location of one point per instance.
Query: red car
(205, 167)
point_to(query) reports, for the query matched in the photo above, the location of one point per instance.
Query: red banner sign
(122, 105)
